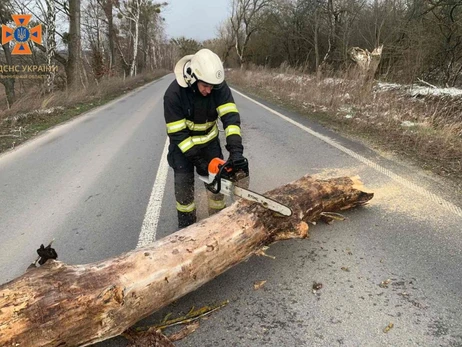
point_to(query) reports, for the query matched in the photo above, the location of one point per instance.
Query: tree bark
(51, 43)
(135, 45)
(367, 62)
(73, 61)
(107, 6)
(9, 82)
(59, 304)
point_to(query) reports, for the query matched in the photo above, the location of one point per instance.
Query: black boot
(185, 219)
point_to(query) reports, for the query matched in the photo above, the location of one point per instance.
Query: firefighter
(193, 103)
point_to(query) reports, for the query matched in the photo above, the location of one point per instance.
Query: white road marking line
(408, 184)
(151, 218)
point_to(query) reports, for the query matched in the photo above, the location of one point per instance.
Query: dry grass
(425, 129)
(34, 112)
(34, 100)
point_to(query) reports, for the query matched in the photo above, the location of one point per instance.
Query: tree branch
(56, 56)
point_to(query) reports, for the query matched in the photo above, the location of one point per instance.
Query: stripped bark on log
(59, 304)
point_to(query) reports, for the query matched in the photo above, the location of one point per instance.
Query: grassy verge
(34, 113)
(426, 130)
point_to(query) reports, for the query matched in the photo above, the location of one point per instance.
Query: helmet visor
(212, 86)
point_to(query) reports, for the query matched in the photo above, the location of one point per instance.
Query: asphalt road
(98, 186)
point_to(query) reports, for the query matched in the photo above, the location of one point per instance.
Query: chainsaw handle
(217, 179)
(211, 186)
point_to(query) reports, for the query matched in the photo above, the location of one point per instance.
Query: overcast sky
(196, 19)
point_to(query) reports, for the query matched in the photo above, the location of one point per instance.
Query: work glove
(46, 253)
(239, 162)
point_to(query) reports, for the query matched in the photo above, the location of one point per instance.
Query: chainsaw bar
(230, 189)
(226, 184)
(263, 200)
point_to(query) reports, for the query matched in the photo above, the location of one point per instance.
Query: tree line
(89, 39)
(94, 39)
(420, 38)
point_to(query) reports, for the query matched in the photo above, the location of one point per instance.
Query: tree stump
(367, 63)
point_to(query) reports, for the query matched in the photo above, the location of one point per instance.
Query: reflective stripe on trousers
(216, 202)
(184, 195)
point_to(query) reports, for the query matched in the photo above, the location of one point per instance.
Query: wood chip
(258, 285)
(317, 286)
(388, 327)
(384, 284)
(187, 330)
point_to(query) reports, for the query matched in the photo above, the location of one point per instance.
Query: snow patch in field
(407, 124)
(33, 113)
(415, 90)
(333, 81)
(412, 90)
(299, 79)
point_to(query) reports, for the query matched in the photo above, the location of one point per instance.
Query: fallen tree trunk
(59, 304)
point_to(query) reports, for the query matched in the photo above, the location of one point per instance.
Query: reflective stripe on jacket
(191, 118)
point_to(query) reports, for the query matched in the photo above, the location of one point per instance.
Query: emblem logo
(22, 34)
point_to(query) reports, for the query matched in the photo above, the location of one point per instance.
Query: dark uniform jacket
(192, 118)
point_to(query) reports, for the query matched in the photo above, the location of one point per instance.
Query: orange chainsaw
(223, 178)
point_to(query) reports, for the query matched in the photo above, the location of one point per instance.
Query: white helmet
(203, 66)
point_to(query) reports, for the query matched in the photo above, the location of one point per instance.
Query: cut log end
(358, 184)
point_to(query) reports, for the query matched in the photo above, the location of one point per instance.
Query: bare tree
(225, 41)
(444, 18)
(131, 10)
(246, 20)
(48, 13)
(51, 42)
(338, 16)
(93, 28)
(71, 9)
(150, 30)
(73, 61)
(185, 46)
(8, 83)
(108, 6)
